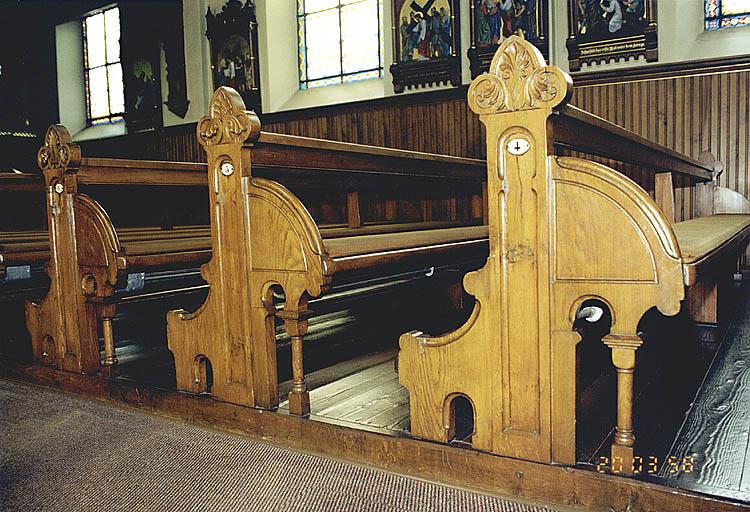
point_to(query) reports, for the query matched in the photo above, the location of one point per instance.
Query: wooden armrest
(707, 240)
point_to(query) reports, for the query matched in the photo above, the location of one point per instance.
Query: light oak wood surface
(563, 230)
(263, 235)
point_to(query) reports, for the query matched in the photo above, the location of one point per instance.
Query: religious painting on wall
(144, 98)
(425, 43)
(601, 31)
(234, 50)
(494, 20)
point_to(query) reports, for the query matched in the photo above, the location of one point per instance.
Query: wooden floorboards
(372, 399)
(715, 436)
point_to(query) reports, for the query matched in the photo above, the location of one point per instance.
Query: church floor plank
(338, 371)
(716, 431)
(371, 399)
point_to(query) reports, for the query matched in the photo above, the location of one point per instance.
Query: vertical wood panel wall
(692, 114)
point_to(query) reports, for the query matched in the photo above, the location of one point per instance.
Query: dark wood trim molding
(402, 100)
(669, 70)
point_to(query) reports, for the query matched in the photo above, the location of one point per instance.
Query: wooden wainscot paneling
(706, 110)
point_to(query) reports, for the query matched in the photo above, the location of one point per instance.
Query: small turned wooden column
(109, 366)
(623, 356)
(295, 322)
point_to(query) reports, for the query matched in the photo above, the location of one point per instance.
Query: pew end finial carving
(228, 122)
(519, 79)
(59, 153)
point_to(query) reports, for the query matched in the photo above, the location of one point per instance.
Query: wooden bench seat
(704, 241)
(23, 253)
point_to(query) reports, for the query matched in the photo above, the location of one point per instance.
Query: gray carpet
(60, 452)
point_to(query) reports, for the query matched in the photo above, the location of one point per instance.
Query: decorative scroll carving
(228, 122)
(59, 152)
(519, 80)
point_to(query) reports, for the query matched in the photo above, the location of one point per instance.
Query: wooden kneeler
(562, 230)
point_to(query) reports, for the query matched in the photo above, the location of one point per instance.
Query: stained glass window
(339, 41)
(727, 13)
(105, 98)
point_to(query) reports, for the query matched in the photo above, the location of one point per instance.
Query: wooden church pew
(265, 237)
(23, 253)
(563, 231)
(22, 239)
(93, 263)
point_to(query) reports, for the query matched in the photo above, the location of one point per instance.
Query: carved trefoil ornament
(59, 152)
(228, 122)
(518, 79)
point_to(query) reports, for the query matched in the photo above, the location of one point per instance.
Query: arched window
(339, 41)
(727, 13)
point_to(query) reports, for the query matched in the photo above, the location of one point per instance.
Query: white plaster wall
(197, 65)
(70, 83)
(681, 38)
(71, 87)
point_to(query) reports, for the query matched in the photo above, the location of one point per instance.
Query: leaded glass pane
(95, 41)
(319, 5)
(116, 94)
(364, 75)
(98, 96)
(323, 44)
(359, 35)
(727, 13)
(339, 41)
(112, 28)
(323, 82)
(730, 7)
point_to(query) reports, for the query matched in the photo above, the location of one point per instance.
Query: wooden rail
(577, 130)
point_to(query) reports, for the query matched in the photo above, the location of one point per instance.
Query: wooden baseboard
(557, 485)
